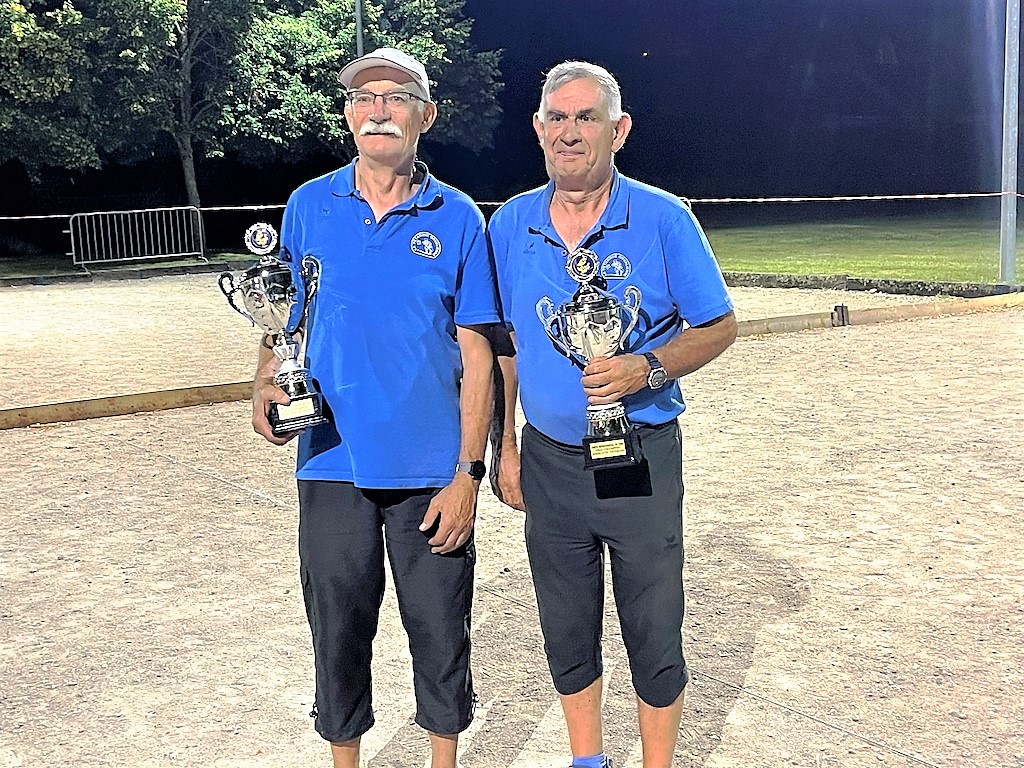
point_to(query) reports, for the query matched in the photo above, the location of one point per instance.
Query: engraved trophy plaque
(594, 323)
(274, 300)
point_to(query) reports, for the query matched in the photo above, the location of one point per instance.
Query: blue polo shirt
(382, 345)
(644, 238)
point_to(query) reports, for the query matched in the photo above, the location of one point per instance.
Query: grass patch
(928, 248)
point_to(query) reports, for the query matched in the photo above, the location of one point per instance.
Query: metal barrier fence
(108, 236)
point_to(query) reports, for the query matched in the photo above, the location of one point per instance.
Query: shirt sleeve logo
(425, 244)
(616, 267)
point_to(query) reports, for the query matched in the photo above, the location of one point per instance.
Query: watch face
(475, 469)
(657, 377)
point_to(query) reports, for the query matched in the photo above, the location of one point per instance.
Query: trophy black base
(305, 410)
(609, 451)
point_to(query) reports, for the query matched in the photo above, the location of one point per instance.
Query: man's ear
(429, 116)
(622, 128)
(538, 127)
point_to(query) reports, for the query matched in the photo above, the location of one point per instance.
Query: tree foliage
(43, 94)
(467, 80)
(85, 81)
(292, 62)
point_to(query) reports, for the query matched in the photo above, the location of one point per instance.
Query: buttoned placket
(377, 229)
(558, 247)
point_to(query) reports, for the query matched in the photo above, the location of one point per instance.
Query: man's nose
(380, 109)
(571, 132)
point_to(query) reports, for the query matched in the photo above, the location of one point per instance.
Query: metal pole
(358, 27)
(1008, 204)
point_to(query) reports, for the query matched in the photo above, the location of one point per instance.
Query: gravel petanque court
(853, 535)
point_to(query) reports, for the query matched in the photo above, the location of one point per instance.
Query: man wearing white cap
(397, 348)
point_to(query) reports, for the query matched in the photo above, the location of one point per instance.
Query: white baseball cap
(388, 57)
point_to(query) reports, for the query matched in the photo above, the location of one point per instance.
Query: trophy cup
(587, 326)
(277, 303)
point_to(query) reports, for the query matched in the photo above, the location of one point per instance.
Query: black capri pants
(342, 534)
(571, 514)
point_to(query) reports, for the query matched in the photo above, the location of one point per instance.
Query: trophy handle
(631, 298)
(549, 319)
(229, 294)
(311, 277)
(310, 273)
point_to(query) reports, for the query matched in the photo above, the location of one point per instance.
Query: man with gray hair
(590, 264)
(397, 346)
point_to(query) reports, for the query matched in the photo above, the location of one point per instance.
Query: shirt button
(367, 221)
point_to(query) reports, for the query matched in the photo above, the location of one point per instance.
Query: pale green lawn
(953, 249)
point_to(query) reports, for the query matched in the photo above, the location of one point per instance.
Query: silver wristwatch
(657, 377)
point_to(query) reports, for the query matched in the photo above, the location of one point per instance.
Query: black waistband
(643, 429)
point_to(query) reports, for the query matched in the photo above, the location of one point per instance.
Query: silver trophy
(594, 323)
(273, 300)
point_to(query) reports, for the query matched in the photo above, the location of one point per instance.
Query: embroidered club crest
(616, 267)
(425, 244)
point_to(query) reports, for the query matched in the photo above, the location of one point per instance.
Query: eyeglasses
(399, 101)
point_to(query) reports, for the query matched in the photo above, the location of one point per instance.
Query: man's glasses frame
(363, 100)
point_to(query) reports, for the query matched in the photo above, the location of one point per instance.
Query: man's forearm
(506, 387)
(476, 395)
(266, 351)
(509, 392)
(697, 346)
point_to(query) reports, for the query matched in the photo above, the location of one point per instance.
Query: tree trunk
(183, 131)
(188, 167)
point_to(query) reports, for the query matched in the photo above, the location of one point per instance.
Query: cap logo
(425, 244)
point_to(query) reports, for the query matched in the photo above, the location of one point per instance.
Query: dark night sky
(762, 97)
(729, 98)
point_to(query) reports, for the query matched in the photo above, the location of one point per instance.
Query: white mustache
(386, 129)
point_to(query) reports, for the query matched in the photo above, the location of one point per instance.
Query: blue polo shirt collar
(343, 184)
(614, 216)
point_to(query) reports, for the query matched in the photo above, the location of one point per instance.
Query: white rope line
(96, 430)
(241, 208)
(850, 198)
(867, 739)
(700, 200)
(37, 218)
(69, 215)
(841, 198)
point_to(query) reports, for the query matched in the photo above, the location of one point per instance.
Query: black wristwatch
(657, 377)
(475, 469)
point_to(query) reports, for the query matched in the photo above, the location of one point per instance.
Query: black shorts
(571, 514)
(342, 534)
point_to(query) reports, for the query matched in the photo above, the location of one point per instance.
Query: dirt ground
(853, 533)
